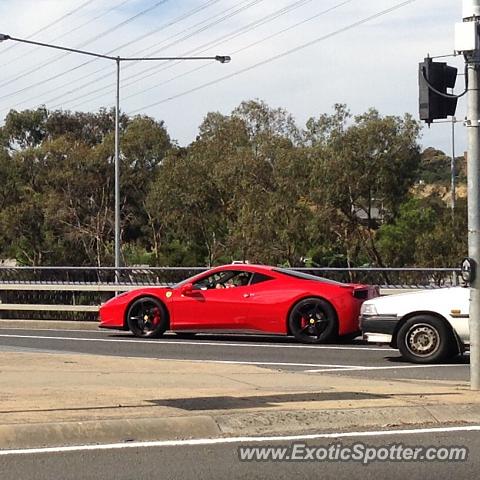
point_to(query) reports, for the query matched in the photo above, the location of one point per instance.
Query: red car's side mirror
(186, 289)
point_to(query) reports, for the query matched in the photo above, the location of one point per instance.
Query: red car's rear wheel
(313, 320)
(147, 317)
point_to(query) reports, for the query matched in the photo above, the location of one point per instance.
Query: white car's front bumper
(378, 328)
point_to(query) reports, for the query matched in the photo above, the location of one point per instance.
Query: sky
(301, 55)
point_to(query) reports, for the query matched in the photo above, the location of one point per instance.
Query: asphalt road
(221, 460)
(353, 358)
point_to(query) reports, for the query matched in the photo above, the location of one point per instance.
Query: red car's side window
(224, 279)
(259, 278)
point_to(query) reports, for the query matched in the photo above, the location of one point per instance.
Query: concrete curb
(106, 431)
(48, 324)
(242, 424)
(262, 423)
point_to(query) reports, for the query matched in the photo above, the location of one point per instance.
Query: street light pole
(117, 177)
(117, 60)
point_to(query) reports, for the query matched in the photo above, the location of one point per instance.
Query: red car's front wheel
(147, 317)
(313, 320)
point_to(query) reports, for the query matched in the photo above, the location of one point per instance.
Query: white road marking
(327, 367)
(210, 344)
(229, 440)
(320, 368)
(347, 368)
(231, 362)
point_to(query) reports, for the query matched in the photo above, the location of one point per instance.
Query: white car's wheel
(425, 339)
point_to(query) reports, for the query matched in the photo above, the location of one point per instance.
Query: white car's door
(458, 308)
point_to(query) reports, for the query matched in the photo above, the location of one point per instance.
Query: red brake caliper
(156, 316)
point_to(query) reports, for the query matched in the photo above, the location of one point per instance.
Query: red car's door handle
(248, 295)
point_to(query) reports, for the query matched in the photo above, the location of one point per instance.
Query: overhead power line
(253, 44)
(221, 40)
(36, 68)
(91, 20)
(277, 57)
(55, 22)
(202, 29)
(186, 15)
(225, 15)
(69, 32)
(125, 22)
(87, 62)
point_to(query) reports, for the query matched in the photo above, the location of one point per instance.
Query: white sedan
(427, 326)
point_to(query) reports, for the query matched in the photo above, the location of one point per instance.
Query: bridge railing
(76, 293)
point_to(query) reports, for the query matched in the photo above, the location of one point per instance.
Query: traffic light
(433, 80)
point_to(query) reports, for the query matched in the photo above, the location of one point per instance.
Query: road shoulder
(54, 399)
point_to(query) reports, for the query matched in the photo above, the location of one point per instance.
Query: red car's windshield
(304, 276)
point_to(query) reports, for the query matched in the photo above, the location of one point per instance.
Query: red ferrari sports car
(248, 298)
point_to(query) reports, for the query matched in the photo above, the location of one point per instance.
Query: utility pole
(453, 169)
(467, 41)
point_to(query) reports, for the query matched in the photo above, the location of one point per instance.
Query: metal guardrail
(97, 275)
(75, 293)
(168, 275)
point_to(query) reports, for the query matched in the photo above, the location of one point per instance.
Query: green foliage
(56, 205)
(252, 186)
(435, 168)
(25, 129)
(425, 233)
